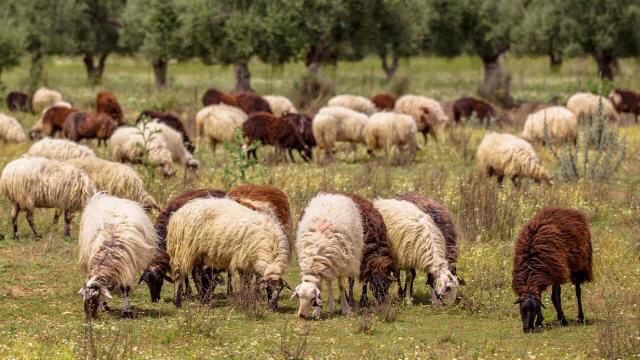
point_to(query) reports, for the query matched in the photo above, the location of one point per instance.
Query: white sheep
(588, 105)
(225, 235)
(11, 130)
(44, 98)
(560, 124)
(427, 113)
(416, 242)
(59, 149)
(386, 129)
(280, 104)
(511, 156)
(336, 123)
(175, 143)
(219, 124)
(117, 240)
(329, 245)
(36, 182)
(116, 179)
(354, 102)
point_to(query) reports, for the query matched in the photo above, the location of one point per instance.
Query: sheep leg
(401, 292)
(15, 211)
(229, 286)
(411, 276)
(197, 275)
(67, 223)
(579, 299)
(352, 302)
(364, 298)
(32, 225)
(500, 178)
(56, 217)
(332, 303)
(515, 181)
(177, 290)
(557, 303)
(126, 306)
(344, 303)
(187, 287)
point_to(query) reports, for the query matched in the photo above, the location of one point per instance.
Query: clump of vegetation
(248, 301)
(293, 347)
(96, 345)
(365, 322)
(237, 170)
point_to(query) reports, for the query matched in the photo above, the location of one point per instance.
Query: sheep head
(530, 311)
(273, 285)
(91, 293)
(154, 276)
(380, 276)
(445, 285)
(308, 294)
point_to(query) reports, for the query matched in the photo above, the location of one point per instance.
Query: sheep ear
(286, 285)
(168, 278)
(141, 279)
(82, 291)
(105, 292)
(425, 110)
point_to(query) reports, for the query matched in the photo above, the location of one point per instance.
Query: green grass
(41, 314)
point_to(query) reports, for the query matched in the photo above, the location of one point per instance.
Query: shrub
(238, 168)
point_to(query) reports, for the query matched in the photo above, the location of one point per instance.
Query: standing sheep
(215, 97)
(329, 245)
(35, 182)
(219, 124)
(280, 105)
(417, 243)
(17, 101)
(304, 125)
(82, 125)
(427, 113)
(467, 106)
(251, 103)
(44, 98)
(588, 105)
(170, 120)
(116, 241)
(52, 121)
(336, 123)
(626, 101)
(225, 235)
(383, 101)
(560, 124)
(271, 130)
(116, 179)
(554, 247)
(508, 155)
(106, 103)
(11, 130)
(58, 149)
(356, 103)
(386, 129)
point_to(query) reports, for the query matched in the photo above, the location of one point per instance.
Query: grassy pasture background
(41, 314)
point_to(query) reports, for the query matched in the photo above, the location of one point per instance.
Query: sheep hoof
(580, 320)
(564, 322)
(127, 314)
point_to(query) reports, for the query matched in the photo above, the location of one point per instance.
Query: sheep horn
(286, 285)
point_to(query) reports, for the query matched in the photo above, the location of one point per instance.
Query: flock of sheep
(248, 231)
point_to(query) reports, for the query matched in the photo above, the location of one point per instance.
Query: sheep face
(92, 293)
(154, 277)
(193, 164)
(273, 287)
(530, 312)
(446, 287)
(309, 295)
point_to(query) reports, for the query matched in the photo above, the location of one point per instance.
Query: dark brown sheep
(106, 103)
(52, 121)
(251, 103)
(172, 121)
(156, 272)
(279, 132)
(304, 125)
(552, 248)
(377, 266)
(383, 101)
(214, 97)
(82, 125)
(17, 101)
(467, 106)
(626, 101)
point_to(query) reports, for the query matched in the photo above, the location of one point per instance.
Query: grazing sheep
(383, 101)
(280, 105)
(116, 179)
(587, 105)
(508, 155)
(11, 130)
(170, 120)
(329, 246)
(554, 247)
(226, 235)
(156, 273)
(271, 130)
(267, 199)
(357, 103)
(427, 113)
(467, 106)
(377, 267)
(417, 243)
(116, 241)
(304, 125)
(175, 144)
(59, 149)
(83, 125)
(386, 129)
(251, 103)
(52, 121)
(219, 124)
(626, 101)
(44, 98)
(215, 97)
(561, 125)
(106, 103)
(36, 182)
(444, 221)
(336, 123)
(17, 101)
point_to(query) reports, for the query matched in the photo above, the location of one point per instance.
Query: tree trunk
(496, 81)
(160, 67)
(243, 77)
(605, 63)
(389, 69)
(94, 71)
(555, 62)
(35, 73)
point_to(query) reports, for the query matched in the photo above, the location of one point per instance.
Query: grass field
(41, 314)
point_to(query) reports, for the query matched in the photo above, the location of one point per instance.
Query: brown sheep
(626, 101)
(554, 247)
(377, 265)
(282, 133)
(172, 121)
(17, 101)
(383, 101)
(214, 97)
(82, 125)
(156, 272)
(303, 124)
(106, 103)
(251, 103)
(467, 106)
(52, 121)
